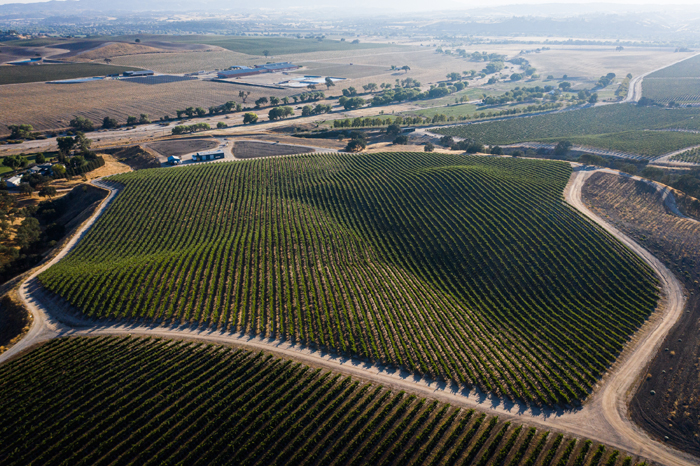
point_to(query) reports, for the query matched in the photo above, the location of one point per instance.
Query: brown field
(255, 149)
(47, 106)
(188, 62)
(593, 62)
(178, 147)
(115, 49)
(673, 411)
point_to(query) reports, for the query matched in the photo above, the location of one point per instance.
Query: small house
(210, 155)
(174, 160)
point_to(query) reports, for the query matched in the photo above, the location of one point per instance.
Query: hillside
(614, 127)
(114, 400)
(466, 268)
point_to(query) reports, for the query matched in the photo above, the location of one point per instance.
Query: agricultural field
(638, 210)
(689, 68)
(614, 127)
(647, 144)
(187, 62)
(41, 73)
(146, 401)
(53, 106)
(664, 90)
(691, 156)
(360, 254)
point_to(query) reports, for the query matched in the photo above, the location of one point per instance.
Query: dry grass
(47, 106)
(116, 49)
(187, 62)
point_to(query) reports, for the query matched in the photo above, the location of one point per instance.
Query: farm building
(133, 74)
(209, 155)
(240, 71)
(14, 181)
(174, 160)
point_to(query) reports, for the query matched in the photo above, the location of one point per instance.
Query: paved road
(603, 417)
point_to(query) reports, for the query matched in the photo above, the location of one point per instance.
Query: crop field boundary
(604, 416)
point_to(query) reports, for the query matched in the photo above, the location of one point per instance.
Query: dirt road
(603, 417)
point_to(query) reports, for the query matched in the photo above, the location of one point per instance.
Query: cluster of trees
(357, 142)
(82, 124)
(351, 103)
(191, 112)
(277, 113)
(184, 129)
(23, 132)
(319, 109)
(470, 146)
(606, 80)
(250, 118)
(409, 94)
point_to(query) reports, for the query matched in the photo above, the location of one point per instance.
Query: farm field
(202, 404)
(588, 63)
(179, 147)
(41, 73)
(638, 210)
(691, 156)
(689, 68)
(186, 62)
(597, 125)
(664, 90)
(360, 254)
(648, 144)
(53, 106)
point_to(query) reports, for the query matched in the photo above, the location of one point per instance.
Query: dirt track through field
(603, 417)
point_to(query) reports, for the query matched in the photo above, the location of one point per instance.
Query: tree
(401, 140)
(260, 102)
(306, 110)
(266, 53)
(280, 112)
(350, 92)
(137, 40)
(81, 124)
(200, 111)
(221, 125)
(82, 142)
(144, 119)
(28, 232)
(26, 188)
(47, 191)
(40, 158)
(497, 150)
(131, 120)
(329, 83)
(311, 86)
(353, 103)
(562, 148)
(14, 161)
(58, 170)
(429, 147)
(20, 131)
(565, 86)
(593, 99)
(393, 130)
(65, 145)
(274, 100)
(518, 153)
(250, 118)
(285, 100)
(108, 60)
(243, 95)
(109, 123)
(516, 77)
(406, 68)
(371, 87)
(355, 145)
(447, 141)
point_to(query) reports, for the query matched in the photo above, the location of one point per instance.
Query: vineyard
(31, 74)
(606, 127)
(682, 91)
(691, 156)
(689, 68)
(112, 400)
(465, 268)
(647, 144)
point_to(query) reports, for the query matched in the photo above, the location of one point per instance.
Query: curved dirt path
(603, 417)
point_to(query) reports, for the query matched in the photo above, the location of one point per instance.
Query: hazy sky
(480, 3)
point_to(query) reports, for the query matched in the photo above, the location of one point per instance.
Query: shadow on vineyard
(464, 268)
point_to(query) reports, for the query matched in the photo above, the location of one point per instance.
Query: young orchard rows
(465, 268)
(114, 400)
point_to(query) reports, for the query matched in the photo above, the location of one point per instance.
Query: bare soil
(257, 149)
(123, 159)
(179, 147)
(667, 403)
